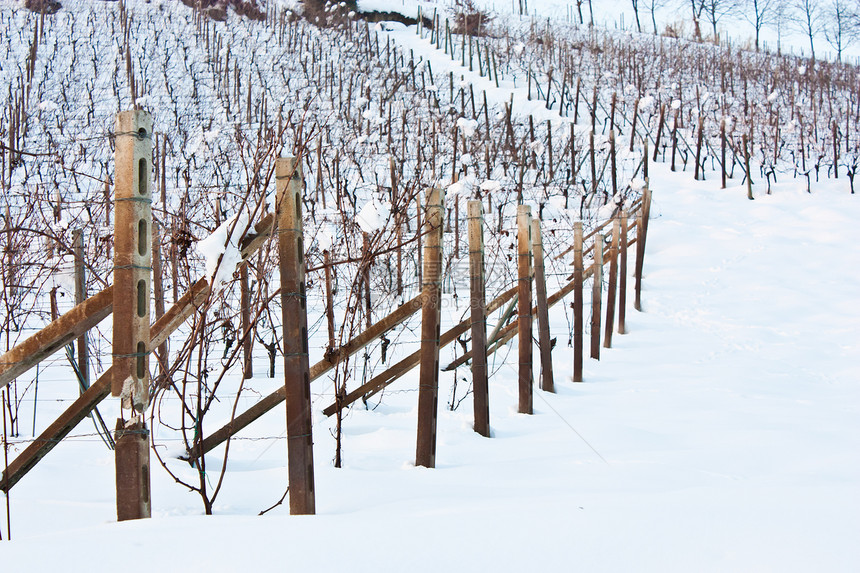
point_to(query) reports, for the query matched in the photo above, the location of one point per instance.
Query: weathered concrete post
(131, 302)
(288, 173)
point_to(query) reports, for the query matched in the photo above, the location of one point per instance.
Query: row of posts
(131, 328)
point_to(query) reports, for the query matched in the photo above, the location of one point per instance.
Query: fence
(136, 335)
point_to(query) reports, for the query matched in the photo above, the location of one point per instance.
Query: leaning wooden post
(81, 296)
(546, 379)
(596, 294)
(288, 172)
(524, 308)
(431, 315)
(622, 276)
(577, 301)
(475, 214)
(613, 282)
(131, 294)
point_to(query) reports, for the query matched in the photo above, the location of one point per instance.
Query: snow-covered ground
(719, 434)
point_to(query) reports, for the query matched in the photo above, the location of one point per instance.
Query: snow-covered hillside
(718, 434)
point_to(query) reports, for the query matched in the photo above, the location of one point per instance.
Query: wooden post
(674, 138)
(546, 379)
(613, 282)
(158, 293)
(365, 278)
(479, 318)
(723, 153)
(329, 303)
(288, 173)
(524, 308)
(431, 314)
(641, 234)
(596, 295)
(747, 167)
(593, 163)
(633, 129)
(248, 341)
(131, 337)
(835, 150)
(622, 276)
(698, 169)
(577, 301)
(613, 167)
(659, 131)
(81, 296)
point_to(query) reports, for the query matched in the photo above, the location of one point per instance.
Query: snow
(220, 249)
(719, 434)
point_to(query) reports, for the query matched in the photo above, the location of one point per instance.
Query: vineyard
(496, 118)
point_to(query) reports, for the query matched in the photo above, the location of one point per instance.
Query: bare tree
(635, 5)
(716, 10)
(781, 18)
(696, 8)
(840, 28)
(653, 6)
(808, 19)
(759, 13)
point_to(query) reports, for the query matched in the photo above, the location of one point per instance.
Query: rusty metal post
(288, 173)
(613, 283)
(431, 314)
(131, 302)
(81, 296)
(596, 293)
(622, 276)
(524, 307)
(546, 378)
(132, 471)
(480, 389)
(578, 304)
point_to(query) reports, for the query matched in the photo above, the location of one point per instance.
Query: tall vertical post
(546, 379)
(524, 308)
(641, 235)
(475, 214)
(431, 314)
(288, 173)
(158, 294)
(80, 296)
(577, 301)
(131, 339)
(596, 293)
(613, 282)
(248, 341)
(747, 166)
(622, 276)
